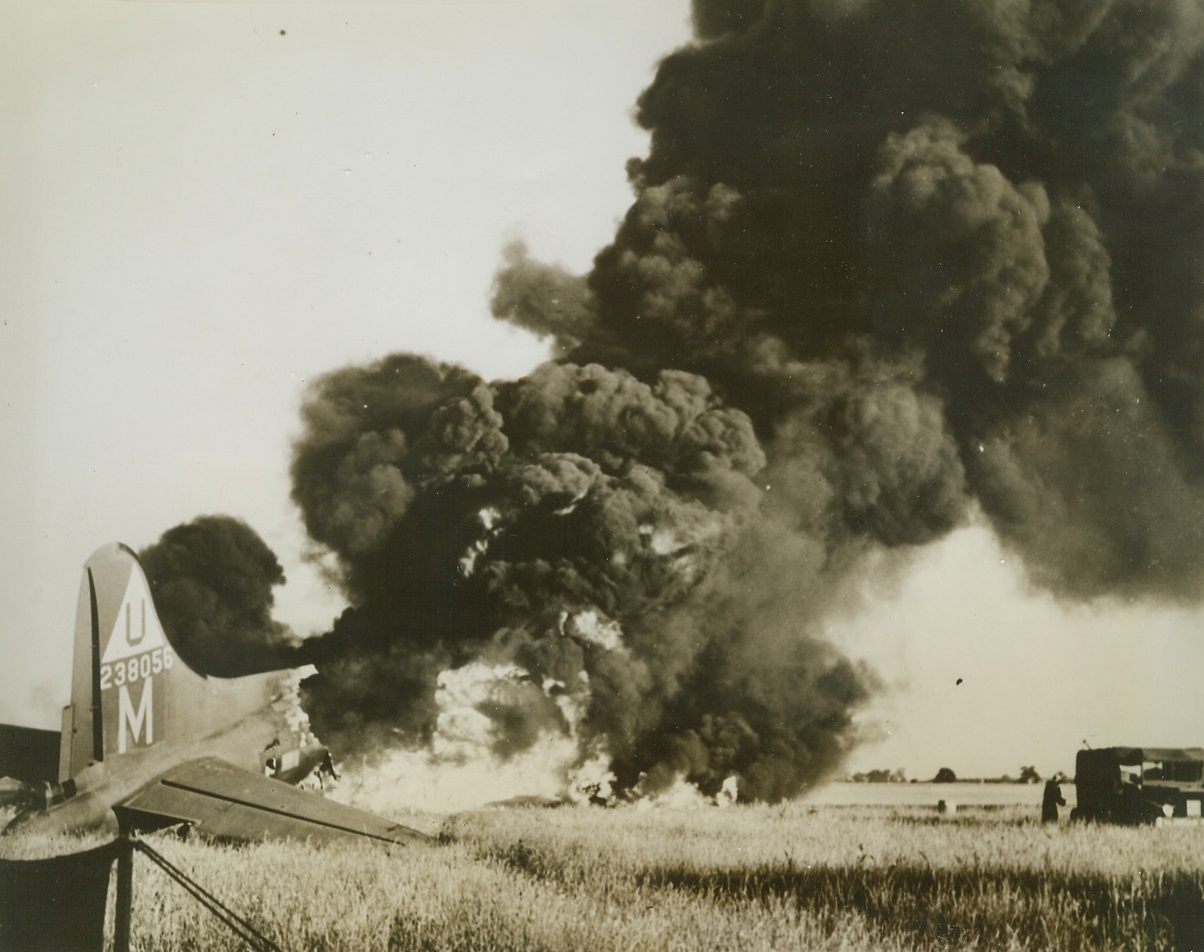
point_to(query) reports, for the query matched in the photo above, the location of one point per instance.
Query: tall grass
(902, 878)
(746, 878)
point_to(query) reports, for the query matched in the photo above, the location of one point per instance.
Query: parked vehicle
(1139, 784)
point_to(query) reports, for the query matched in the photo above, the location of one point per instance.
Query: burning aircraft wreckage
(889, 267)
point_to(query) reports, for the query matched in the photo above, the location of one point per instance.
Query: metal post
(125, 894)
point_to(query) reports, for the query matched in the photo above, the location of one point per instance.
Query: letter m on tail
(136, 720)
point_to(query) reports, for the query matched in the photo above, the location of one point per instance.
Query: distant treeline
(1027, 774)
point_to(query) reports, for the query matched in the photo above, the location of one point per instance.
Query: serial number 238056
(137, 668)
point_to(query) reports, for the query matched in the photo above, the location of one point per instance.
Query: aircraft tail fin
(123, 662)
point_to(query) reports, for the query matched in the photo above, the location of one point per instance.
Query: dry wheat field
(741, 878)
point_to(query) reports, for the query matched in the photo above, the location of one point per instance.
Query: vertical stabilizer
(121, 662)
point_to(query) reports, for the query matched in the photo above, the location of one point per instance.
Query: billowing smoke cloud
(987, 215)
(887, 264)
(600, 536)
(212, 582)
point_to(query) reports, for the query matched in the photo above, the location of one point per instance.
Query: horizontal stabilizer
(224, 802)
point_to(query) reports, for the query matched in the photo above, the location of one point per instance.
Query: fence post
(125, 894)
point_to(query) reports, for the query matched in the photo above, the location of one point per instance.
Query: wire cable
(237, 924)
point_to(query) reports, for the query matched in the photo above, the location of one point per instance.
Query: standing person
(1051, 800)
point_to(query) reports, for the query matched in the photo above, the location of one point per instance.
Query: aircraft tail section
(123, 665)
(149, 742)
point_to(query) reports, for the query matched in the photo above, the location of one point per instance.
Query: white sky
(201, 213)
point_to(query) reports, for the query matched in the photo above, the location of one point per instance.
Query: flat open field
(797, 876)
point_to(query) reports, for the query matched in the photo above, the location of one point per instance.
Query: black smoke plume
(601, 534)
(994, 211)
(888, 264)
(212, 582)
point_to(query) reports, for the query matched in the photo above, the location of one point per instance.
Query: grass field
(746, 878)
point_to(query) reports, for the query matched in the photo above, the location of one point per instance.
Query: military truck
(1140, 785)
